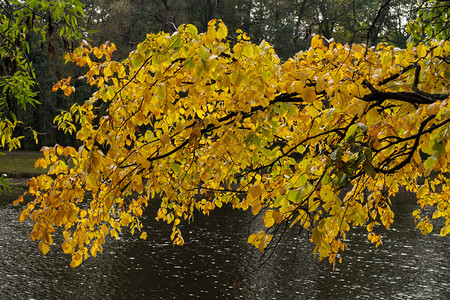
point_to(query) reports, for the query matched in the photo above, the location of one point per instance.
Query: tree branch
(412, 150)
(409, 97)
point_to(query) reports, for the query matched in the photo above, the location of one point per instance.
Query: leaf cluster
(319, 143)
(431, 22)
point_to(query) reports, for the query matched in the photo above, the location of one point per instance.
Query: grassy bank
(20, 164)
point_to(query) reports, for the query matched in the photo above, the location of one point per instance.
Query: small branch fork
(416, 97)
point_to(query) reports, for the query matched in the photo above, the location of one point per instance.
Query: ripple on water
(407, 265)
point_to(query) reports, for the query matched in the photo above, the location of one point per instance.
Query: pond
(215, 257)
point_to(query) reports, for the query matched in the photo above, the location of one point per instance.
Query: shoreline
(20, 182)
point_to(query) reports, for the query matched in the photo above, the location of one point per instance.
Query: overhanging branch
(409, 97)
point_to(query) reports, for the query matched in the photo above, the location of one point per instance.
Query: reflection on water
(407, 266)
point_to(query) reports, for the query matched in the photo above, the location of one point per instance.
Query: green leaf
(351, 131)
(326, 180)
(368, 153)
(369, 169)
(136, 60)
(192, 30)
(439, 148)
(430, 162)
(203, 53)
(343, 180)
(300, 149)
(218, 203)
(190, 63)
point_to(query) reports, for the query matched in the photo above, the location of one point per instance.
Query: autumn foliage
(320, 142)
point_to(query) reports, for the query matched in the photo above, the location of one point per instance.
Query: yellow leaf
(43, 247)
(421, 50)
(19, 200)
(91, 181)
(23, 216)
(309, 94)
(83, 213)
(433, 108)
(316, 42)
(77, 259)
(143, 235)
(256, 190)
(97, 53)
(67, 248)
(252, 238)
(211, 32)
(268, 219)
(271, 217)
(161, 92)
(256, 206)
(298, 86)
(114, 234)
(40, 163)
(165, 139)
(445, 230)
(222, 31)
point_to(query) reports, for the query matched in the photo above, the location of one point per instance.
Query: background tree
(288, 25)
(431, 23)
(24, 26)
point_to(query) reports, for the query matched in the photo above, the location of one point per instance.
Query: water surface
(215, 257)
